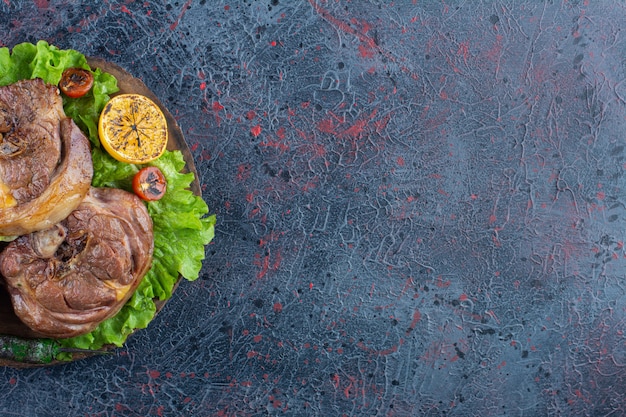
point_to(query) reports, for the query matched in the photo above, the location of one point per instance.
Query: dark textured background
(420, 208)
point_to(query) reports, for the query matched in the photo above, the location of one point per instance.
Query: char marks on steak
(65, 280)
(30, 113)
(45, 159)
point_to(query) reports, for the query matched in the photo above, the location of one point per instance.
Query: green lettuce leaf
(15, 65)
(181, 221)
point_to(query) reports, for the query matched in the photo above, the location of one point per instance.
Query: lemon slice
(133, 129)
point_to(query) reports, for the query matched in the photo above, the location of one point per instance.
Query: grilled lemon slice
(133, 129)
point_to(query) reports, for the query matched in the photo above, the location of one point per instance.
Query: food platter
(10, 325)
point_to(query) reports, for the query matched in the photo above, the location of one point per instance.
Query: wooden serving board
(9, 323)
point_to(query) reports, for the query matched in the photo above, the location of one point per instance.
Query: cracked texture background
(421, 208)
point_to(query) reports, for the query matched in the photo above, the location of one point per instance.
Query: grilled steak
(65, 280)
(45, 160)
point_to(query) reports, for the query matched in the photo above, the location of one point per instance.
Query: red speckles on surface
(217, 106)
(281, 133)
(255, 130)
(41, 4)
(243, 173)
(278, 307)
(326, 126)
(417, 316)
(366, 52)
(183, 10)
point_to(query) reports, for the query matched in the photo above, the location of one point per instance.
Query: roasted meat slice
(45, 159)
(65, 280)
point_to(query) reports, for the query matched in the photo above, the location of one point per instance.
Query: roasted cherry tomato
(76, 82)
(149, 184)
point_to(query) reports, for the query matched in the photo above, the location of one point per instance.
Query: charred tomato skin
(149, 184)
(76, 82)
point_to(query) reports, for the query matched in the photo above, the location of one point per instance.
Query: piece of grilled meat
(65, 280)
(45, 159)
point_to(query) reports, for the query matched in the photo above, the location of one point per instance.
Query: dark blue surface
(420, 209)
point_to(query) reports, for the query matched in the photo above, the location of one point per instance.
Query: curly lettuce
(182, 224)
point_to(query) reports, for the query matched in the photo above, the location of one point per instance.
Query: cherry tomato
(149, 184)
(76, 82)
